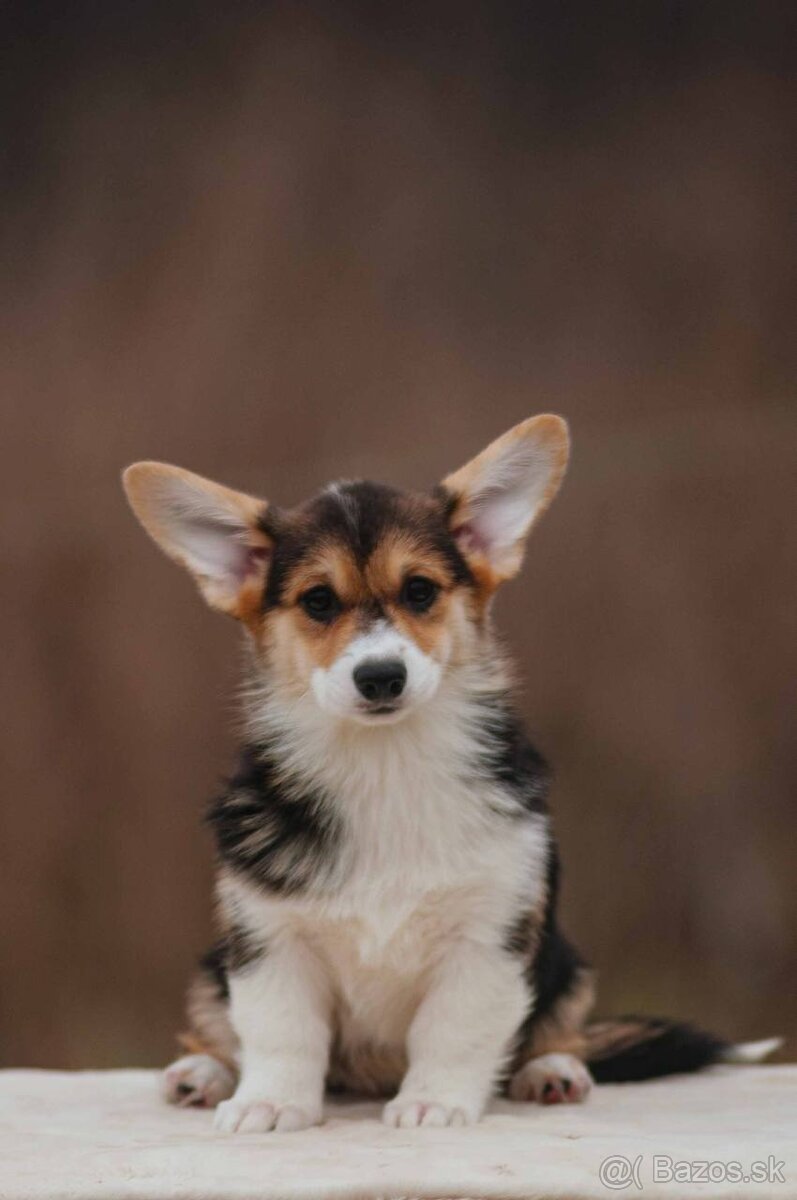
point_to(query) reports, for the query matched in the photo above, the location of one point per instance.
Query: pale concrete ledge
(107, 1134)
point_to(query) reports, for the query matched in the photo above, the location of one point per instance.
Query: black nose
(380, 679)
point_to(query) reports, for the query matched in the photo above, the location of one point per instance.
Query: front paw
(263, 1116)
(406, 1113)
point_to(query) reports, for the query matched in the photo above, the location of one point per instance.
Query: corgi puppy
(387, 874)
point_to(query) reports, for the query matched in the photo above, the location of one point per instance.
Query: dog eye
(320, 603)
(419, 592)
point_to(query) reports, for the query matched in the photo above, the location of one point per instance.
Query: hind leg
(205, 1075)
(550, 1066)
(551, 1079)
(197, 1081)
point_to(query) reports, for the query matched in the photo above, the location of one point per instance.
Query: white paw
(552, 1079)
(402, 1113)
(197, 1081)
(261, 1116)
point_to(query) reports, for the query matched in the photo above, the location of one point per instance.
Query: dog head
(364, 596)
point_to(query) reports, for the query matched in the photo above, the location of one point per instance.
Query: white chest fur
(407, 890)
(431, 849)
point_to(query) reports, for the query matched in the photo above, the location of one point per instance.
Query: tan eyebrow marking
(332, 565)
(399, 556)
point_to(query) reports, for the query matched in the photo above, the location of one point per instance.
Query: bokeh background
(283, 243)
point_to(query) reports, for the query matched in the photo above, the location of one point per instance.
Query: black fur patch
(282, 838)
(238, 949)
(657, 1047)
(242, 948)
(519, 937)
(555, 965)
(625, 1049)
(553, 971)
(358, 516)
(510, 759)
(449, 500)
(212, 963)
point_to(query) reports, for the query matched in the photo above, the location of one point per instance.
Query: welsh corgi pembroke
(387, 874)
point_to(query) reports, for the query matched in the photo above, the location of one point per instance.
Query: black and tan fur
(387, 874)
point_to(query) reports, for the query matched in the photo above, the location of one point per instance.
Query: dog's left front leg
(459, 1037)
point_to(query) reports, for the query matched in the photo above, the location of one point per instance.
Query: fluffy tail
(632, 1048)
(751, 1052)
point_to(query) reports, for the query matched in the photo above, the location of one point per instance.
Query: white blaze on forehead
(382, 640)
(346, 501)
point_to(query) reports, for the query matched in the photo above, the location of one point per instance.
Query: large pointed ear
(212, 531)
(497, 496)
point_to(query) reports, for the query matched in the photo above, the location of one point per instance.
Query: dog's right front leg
(280, 1010)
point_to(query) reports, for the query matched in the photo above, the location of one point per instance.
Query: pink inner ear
(255, 557)
(470, 539)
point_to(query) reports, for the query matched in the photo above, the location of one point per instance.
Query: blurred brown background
(283, 243)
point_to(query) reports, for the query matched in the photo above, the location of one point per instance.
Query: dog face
(364, 600)
(365, 596)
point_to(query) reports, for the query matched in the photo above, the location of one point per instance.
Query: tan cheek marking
(325, 646)
(465, 626)
(284, 652)
(249, 605)
(453, 635)
(486, 583)
(429, 633)
(294, 645)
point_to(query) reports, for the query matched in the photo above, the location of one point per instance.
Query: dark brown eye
(419, 593)
(320, 603)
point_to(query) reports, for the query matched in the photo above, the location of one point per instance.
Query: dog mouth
(378, 714)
